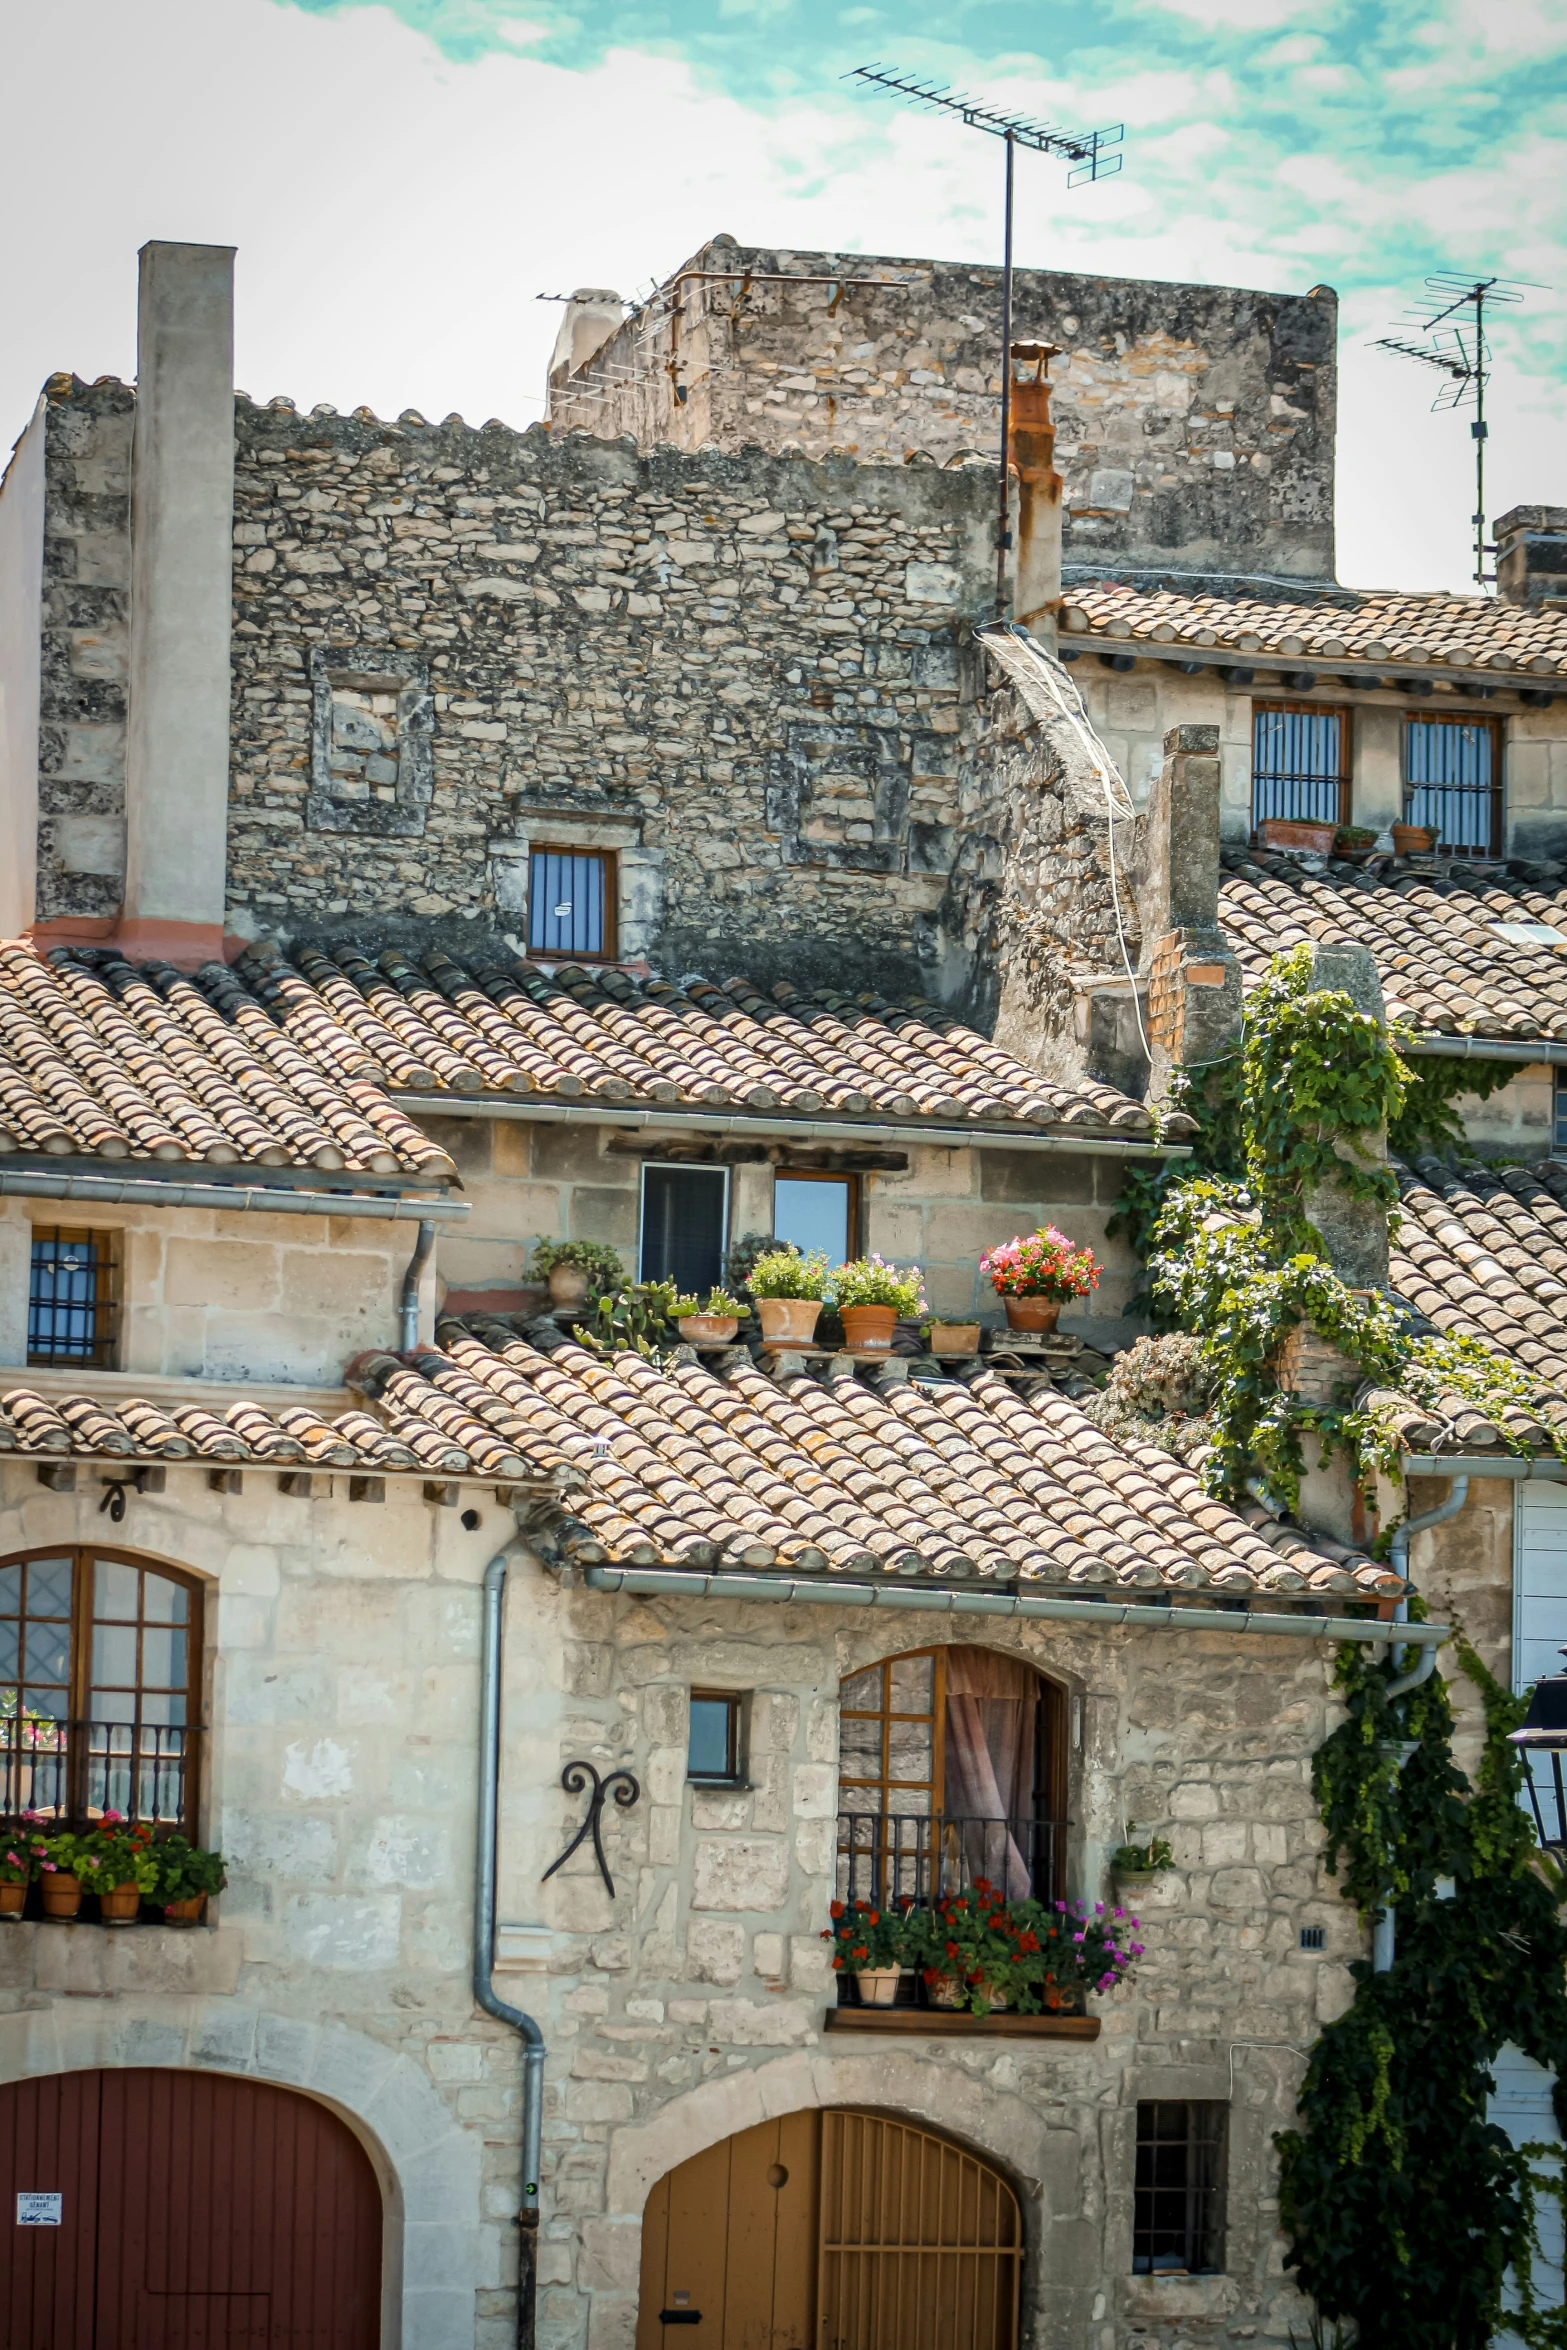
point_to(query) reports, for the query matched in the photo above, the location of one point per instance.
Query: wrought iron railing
(920, 1857)
(76, 1771)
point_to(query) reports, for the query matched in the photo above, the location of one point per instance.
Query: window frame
(1497, 793)
(1206, 2202)
(846, 1177)
(683, 1167)
(84, 1556)
(1286, 706)
(609, 951)
(107, 1298)
(734, 1771)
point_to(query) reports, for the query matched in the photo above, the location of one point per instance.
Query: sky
(404, 178)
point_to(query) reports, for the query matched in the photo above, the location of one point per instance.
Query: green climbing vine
(1403, 2204)
(1232, 1256)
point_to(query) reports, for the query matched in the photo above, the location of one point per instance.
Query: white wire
(1104, 767)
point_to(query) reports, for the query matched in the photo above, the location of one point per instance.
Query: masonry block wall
(1194, 424)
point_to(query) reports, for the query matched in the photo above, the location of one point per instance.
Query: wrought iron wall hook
(574, 1778)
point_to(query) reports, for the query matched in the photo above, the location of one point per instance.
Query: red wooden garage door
(196, 2213)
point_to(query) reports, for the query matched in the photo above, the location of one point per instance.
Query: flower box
(949, 2022)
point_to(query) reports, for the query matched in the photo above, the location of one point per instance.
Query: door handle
(680, 2317)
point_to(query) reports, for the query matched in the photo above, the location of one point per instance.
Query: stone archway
(427, 2166)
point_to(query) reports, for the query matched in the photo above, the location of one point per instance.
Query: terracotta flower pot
(869, 1329)
(62, 1893)
(1412, 840)
(788, 1321)
(954, 1338)
(952, 1991)
(13, 1899)
(569, 1285)
(878, 1985)
(185, 1913)
(1285, 832)
(119, 1906)
(1032, 1313)
(707, 1329)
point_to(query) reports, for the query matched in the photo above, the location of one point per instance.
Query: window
(571, 904)
(1559, 1123)
(72, 1299)
(951, 1766)
(100, 1663)
(817, 1211)
(1178, 2214)
(372, 742)
(685, 1224)
(1453, 782)
(1299, 762)
(713, 1751)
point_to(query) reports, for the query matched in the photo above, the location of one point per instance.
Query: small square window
(571, 904)
(713, 1747)
(1178, 2210)
(816, 1211)
(73, 1299)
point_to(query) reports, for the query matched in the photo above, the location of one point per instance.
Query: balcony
(72, 1773)
(920, 1857)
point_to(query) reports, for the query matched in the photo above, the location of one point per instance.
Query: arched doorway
(952, 1765)
(831, 2230)
(161, 2210)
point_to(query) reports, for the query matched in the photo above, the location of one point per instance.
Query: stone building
(378, 906)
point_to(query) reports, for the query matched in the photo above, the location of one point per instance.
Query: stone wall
(940, 1209)
(741, 673)
(1194, 424)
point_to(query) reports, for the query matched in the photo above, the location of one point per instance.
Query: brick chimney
(182, 531)
(1036, 588)
(1531, 555)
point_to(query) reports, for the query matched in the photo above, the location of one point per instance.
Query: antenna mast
(1089, 151)
(1463, 355)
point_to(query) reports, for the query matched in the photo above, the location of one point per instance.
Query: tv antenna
(1454, 322)
(1090, 152)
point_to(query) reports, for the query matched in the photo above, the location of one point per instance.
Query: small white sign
(38, 2211)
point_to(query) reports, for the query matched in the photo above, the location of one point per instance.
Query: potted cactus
(711, 1321)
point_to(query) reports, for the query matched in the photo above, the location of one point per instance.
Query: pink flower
(50, 1866)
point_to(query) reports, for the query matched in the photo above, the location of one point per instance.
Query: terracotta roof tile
(1467, 632)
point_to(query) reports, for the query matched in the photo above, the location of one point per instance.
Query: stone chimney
(1036, 592)
(182, 529)
(1193, 980)
(593, 314)
(1531, 555)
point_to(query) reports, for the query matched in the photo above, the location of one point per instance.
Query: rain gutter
(1487, 1048)
(116, 1191)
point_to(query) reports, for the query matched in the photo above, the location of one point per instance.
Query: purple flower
(1120, 1913)
(1061, 1906)
(1136, 1950)
(1099, 1909)
(1077, 1937)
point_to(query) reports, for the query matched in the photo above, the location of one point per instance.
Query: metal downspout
(408, 1296)
(484, 1951)
(1384, 1931)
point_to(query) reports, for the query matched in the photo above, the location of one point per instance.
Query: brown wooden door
(199, 2213)
(729, 2244)
(831, 2231)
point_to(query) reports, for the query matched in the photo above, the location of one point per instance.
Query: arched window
(951, 1766)
(100, 1676)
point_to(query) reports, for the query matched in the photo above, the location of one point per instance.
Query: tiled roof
(958, 1479)
(1462, 632)
(431, 1025)
(1446, 962)
(102, 1059)
(1482, 1251)
(283, 1062)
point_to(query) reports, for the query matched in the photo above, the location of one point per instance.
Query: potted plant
(1034, 1277)
(1136, 1866)
(979, 1951)
(788, 1289)
(871, 1297)
(1412, 840)
(186, 1875)
(1084, 1950)
(952, 1338)
(573, 1267)
(713, 1321)
(873, 1946)
(1292, 832)
(54, 1857)
(16, 1871)
(115, 1861)
(1355, 842)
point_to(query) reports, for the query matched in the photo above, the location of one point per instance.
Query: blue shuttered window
(570, 910)
(1299, 763)
(1453, 782)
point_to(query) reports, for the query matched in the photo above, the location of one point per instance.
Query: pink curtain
(991, 1716)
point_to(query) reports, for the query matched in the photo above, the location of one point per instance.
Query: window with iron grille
(1299, 763)
(100, 1663)
(1178, 2208)
(1453, 783)
(73, 1298)
(571, 904)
